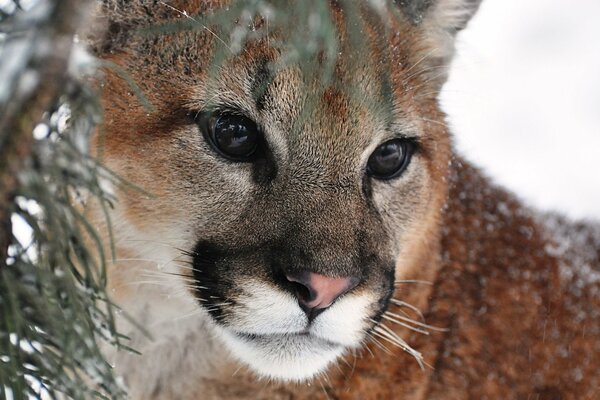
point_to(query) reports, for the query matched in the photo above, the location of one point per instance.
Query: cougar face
(299, 259)
(296, 206)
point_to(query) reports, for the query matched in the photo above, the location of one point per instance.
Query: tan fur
(514, 294)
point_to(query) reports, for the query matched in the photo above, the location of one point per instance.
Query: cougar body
(303, 269)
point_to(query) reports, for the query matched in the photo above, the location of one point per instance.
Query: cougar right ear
(439, 21)
(448, 15)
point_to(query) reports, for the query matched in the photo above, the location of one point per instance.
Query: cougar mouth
(276, 337)
(305, 335)
(268, 323)
(288, 357)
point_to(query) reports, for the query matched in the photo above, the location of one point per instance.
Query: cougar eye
(390, 159)
(233, 136)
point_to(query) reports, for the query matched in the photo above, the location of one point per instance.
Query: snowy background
(524, 100)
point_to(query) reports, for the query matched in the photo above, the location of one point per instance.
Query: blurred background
(524, 100)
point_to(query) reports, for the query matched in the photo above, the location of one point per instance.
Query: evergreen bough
(54, 309)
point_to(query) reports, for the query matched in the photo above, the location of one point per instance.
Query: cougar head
(296, 200)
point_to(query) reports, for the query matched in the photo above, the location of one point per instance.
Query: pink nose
(317, 292)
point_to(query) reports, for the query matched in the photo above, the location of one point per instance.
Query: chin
(293, 357)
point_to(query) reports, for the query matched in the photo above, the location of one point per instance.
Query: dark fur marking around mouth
(210, 290)
(388, 290)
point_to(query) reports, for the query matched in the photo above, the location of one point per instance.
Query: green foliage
(55, 313)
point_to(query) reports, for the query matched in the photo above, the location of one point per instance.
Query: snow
(524, 100)
(81, 62)
(15, 55)
(17, 50)
(578, 245)
(9, 5)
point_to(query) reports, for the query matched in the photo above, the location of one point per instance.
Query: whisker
(421, 60)
(401, 303)
(353, 367)
(185, 14)
(323, 386)
(183, 252)
(423, 95)
(117, 260)
(422, 71)
(396, 283)
(196, 311)
(427, 81)
(343, 359)
(366, 346)
(394, 338)
(237, 370)
(412, 328)
(194, 286)
(225, 303)
(147, 282)
(381, 328)
(186, 267)
(164, 244)
(378, 344)
(433, 121)
(406, 314)
(381, 345)
(163, 274)
(159, 265)
(422, 325)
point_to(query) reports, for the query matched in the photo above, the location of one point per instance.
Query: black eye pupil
(234, 136)
(389, 159)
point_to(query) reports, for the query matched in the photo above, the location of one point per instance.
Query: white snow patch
(81, 62)
(14, 55)
(41, 131)
(8, 6)
(524, 99)
(576, 247)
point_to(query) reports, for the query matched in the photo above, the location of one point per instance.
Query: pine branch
(54, 310)
(35, 86)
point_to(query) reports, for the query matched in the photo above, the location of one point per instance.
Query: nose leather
(320, 290)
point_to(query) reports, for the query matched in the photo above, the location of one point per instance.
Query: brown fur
(519, 318)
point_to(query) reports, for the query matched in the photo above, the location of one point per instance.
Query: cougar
(297, 235)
